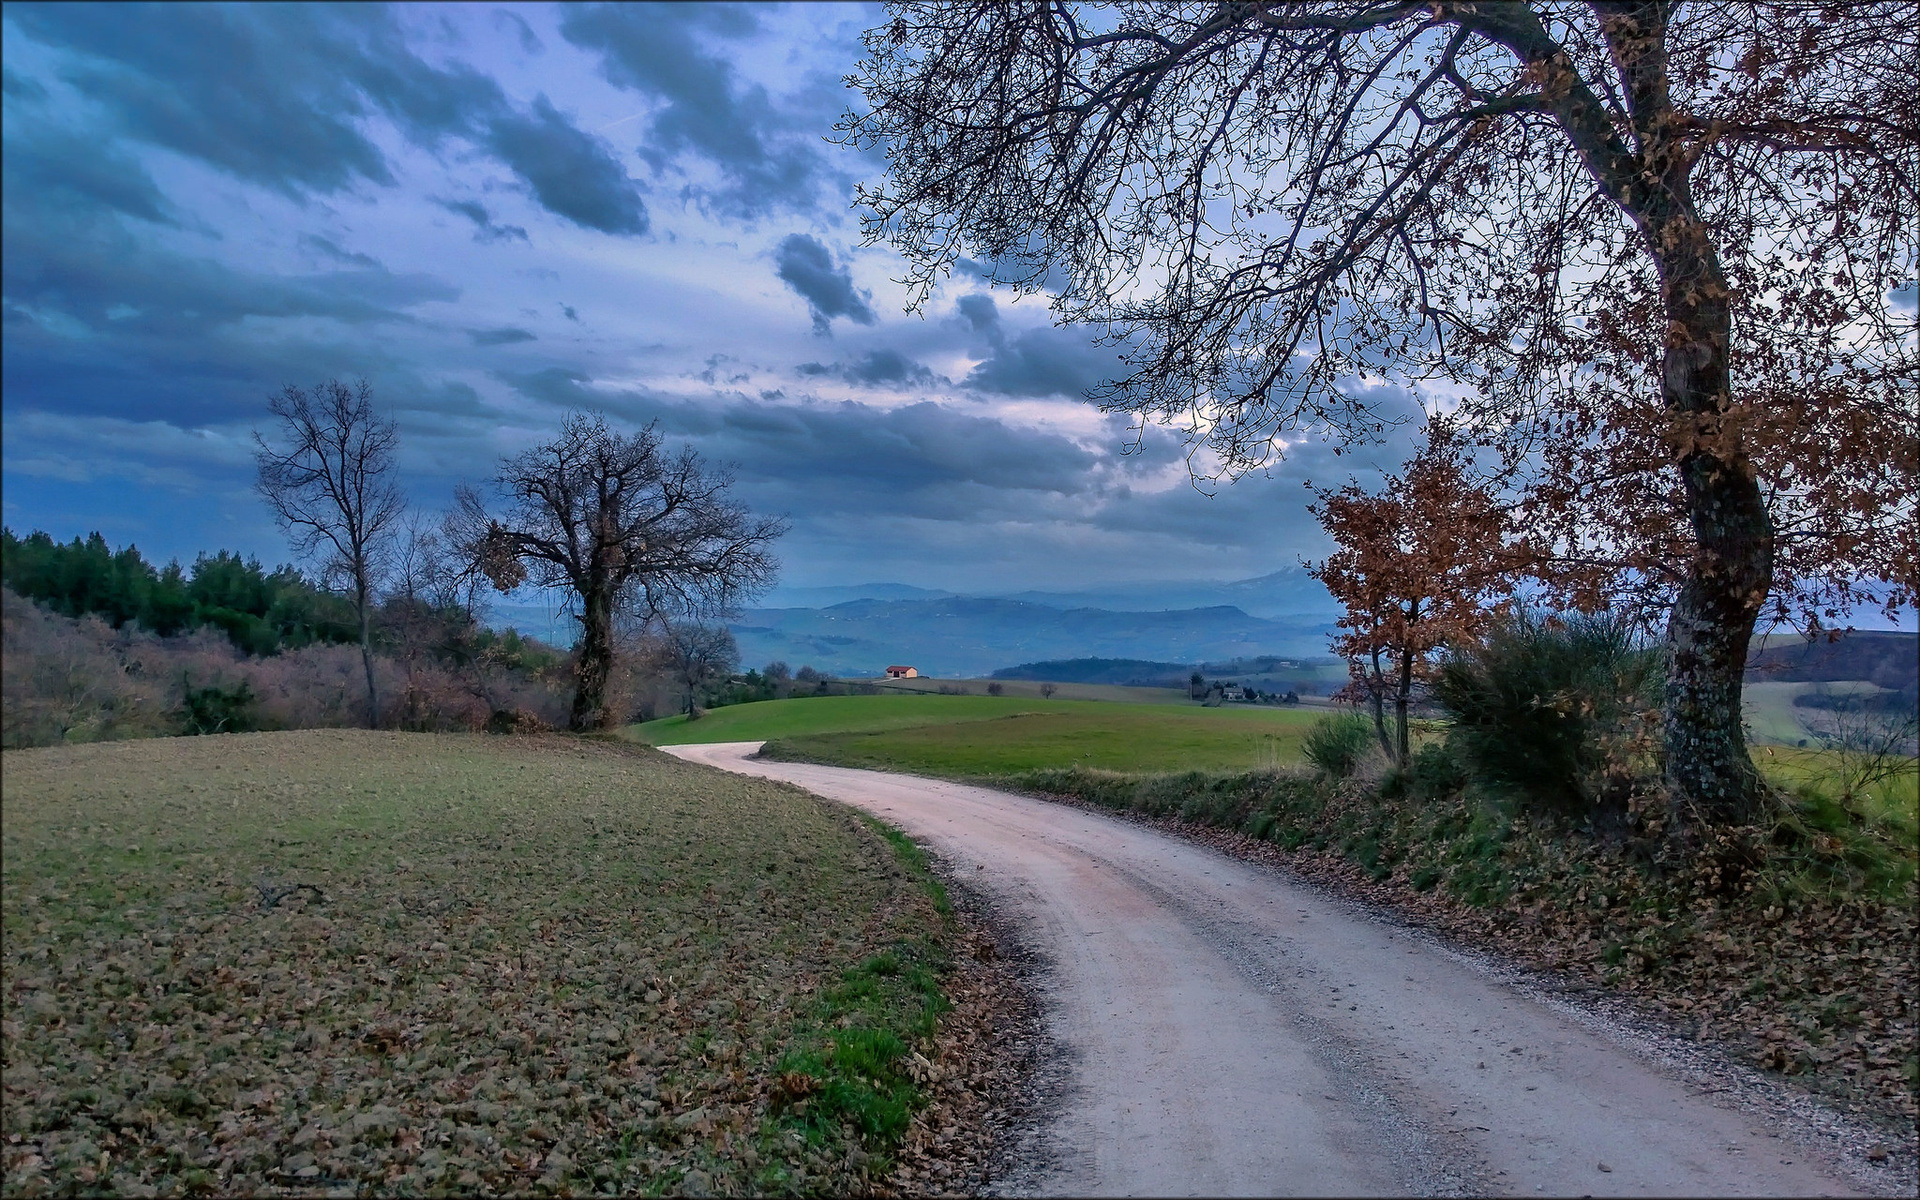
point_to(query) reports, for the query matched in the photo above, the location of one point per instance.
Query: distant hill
(1283, 595)
(966, 637)
(1888, 658)
(1124, 672)
(825, 597)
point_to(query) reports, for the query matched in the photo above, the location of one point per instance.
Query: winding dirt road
(1231, 1032)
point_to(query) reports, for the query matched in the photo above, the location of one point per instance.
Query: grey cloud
(571, 172)
(874, 367)
(703, 107)
(333, 251)
(530, 42)
(20, 87)
(888, 366)
(310, 75)
(1045, 362)
(499, 337)
(979, 311)
(925, 458)
(806, 266)
(485, 230)
(102, 277)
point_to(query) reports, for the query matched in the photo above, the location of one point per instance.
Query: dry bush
(70, 680)
(61, 680)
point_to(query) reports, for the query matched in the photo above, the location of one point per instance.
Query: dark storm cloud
(807, 266)
(927, 459)
(875, 368)
(570, 172)
(888, 366)
(499, 337)
(1044, 361)
(703, 107)
(277, 95)
(109, 282)
(70, 171)
(979, 311)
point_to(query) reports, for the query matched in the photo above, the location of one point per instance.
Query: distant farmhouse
(902, 673)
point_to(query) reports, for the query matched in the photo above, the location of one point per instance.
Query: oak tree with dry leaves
(1416, 566)
(1655, 252)
(620, 524)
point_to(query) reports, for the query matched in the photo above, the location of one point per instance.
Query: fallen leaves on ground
(522, 965)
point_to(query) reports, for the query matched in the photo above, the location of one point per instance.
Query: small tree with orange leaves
(1416, 566)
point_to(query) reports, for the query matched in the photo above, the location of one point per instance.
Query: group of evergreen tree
(261, 612)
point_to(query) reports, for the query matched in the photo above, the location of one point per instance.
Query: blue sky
(495, 213)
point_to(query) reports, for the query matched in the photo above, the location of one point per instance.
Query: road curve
(1231, 1032)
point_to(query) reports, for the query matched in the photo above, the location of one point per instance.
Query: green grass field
(405, 963)
(1108, 736)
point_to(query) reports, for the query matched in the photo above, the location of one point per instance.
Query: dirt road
(1231, 1032)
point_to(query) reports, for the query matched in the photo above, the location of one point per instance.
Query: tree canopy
(1651, 252)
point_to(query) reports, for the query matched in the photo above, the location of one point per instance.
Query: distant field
(822, 714)
(1772, 717)
(1030, 689)
(1109, 736)
(343, 962)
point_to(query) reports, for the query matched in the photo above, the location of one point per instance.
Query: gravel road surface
(1231, 1032)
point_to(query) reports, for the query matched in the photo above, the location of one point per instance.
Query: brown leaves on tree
(1416, 567)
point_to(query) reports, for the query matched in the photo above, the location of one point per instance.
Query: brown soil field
(346, 962)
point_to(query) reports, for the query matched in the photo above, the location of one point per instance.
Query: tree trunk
(1400, 701)
(595, 663)
(362, 602)
(1376, 691)
(1708, 767)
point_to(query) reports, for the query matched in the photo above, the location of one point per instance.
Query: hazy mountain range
(1284, 594)
(859, 630)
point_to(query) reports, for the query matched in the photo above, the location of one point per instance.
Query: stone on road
(1231, 1032)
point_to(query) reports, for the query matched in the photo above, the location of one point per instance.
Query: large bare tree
(620, 524)
(329, 481)
(1654, 251)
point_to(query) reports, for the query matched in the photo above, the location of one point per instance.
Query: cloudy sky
(498, 213)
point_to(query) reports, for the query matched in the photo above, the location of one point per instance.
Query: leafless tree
(621, 525)
(694, 654)
(329, 481)
(1651, 250)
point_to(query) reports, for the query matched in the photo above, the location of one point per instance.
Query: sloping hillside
(1885, 658)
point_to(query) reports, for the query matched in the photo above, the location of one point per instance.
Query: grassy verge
(851, 1078)
(396, 963)
(1791, 942)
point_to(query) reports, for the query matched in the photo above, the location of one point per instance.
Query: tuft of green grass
(847, 1068)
